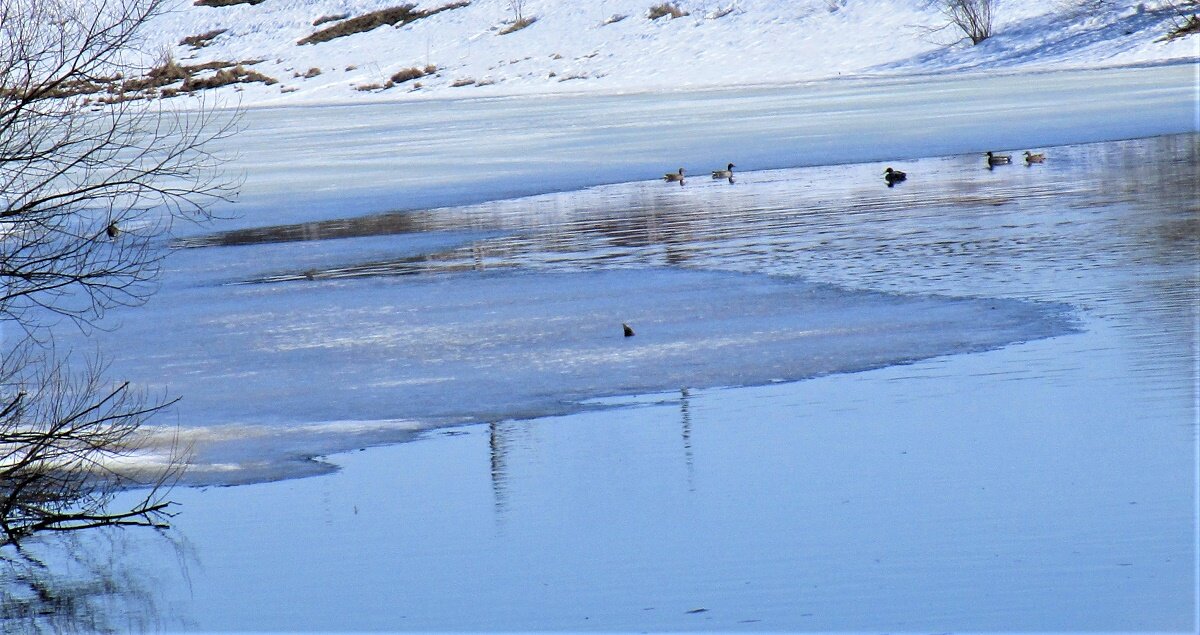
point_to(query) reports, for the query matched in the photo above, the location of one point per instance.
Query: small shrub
(368, 87)
(459, 83)
(312, 72)
(972, 17)
(202, 40)
(667, 8)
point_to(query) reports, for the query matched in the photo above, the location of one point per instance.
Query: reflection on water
(92, 582)
(1111, 227)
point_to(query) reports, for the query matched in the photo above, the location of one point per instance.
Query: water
(1045, 485)
(314, 163)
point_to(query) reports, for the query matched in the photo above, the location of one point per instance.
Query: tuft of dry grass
(518, 25)
(337, 17)
(225, 3)
(667, 8)
(1188, 26)
(237, 75)
(202, 40)
(409, 74)
(459, 83)
(394, 16)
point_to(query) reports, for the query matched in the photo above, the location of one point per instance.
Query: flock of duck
(890, 176)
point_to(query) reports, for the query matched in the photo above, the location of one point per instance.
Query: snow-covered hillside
(613, 46)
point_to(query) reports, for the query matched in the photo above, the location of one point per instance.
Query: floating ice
(485, 346)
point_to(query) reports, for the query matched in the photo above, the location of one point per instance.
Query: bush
(973, 17)
(667, 8)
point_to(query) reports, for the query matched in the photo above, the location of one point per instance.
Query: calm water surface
(1046, 486)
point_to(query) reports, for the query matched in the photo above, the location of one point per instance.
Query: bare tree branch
(87, 195)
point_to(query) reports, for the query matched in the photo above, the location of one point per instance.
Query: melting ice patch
(484, 346)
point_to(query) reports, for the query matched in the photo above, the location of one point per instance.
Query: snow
(571, 48)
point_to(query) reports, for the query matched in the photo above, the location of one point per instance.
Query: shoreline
(899, 77)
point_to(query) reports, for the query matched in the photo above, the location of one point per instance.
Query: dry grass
(394, 16)
(518, 25)
(330, 18)
(225, 3)
(202, 40)
(667, 8)
(459, 83)
(1188, 26)
(409, 74)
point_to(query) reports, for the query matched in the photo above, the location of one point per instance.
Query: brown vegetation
(202, 40)
(517, 25)
(225, 3)
(330, 18)
(410, 74)
(667, 8)
(394, 16)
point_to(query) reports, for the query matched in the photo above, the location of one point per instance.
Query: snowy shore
(576, 47)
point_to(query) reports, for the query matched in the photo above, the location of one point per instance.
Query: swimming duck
(893, 176)
(1034, 158)
(727, 173)
(674, 176)
(628, 329)
(998, 159)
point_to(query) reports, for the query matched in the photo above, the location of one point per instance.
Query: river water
(1003, 435)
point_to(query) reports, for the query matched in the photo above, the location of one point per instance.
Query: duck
(727, 173)
(1034, 158)
(628, 329)
(112, 230)
(671, 177)
(998, 159)
(893, 176)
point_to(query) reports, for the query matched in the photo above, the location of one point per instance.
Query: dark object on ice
(998, 159)
(727, 173)
(628, 329)
(1034, 158)
(112, 230)
(671, 177)
(893, 176)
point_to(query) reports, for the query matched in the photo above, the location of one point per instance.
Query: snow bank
(577, 47)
